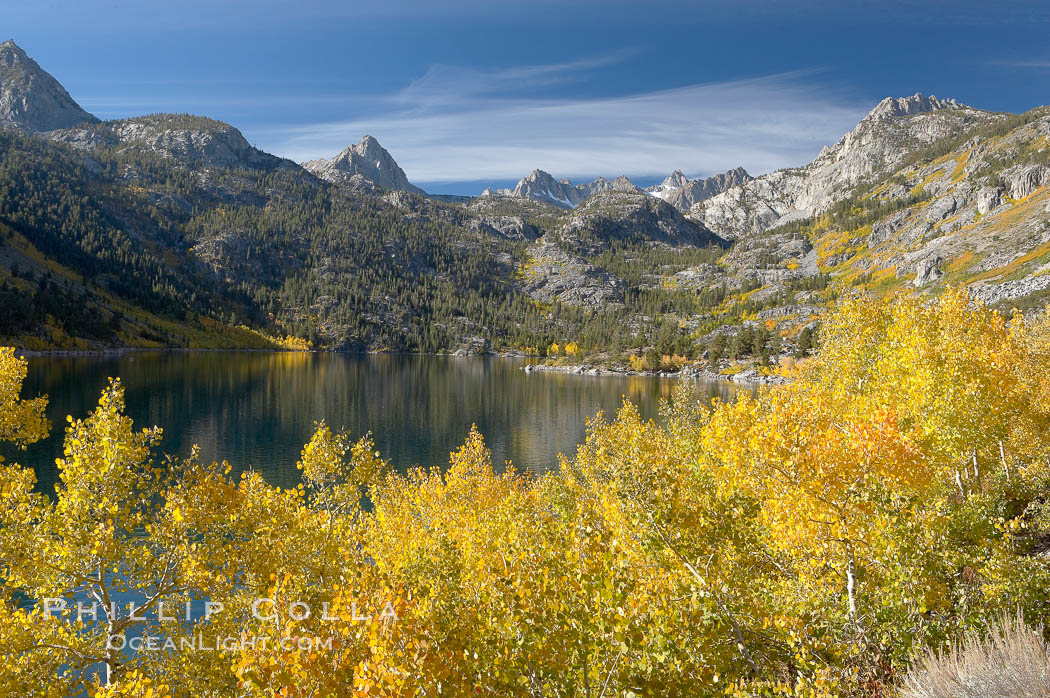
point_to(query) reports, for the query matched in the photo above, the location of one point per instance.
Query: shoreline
(749, 376)
(117, 351)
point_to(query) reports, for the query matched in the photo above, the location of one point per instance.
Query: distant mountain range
(32, 100)
(173, 230)
(682, 193)
(540, 186)
(677, 189)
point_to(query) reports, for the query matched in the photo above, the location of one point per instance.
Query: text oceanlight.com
(199, 643)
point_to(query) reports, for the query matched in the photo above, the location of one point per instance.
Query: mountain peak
(877, 129)
(368, 160)
(540, 185)
(672, 183)
(675, 180)
(369, 147)
(30, 98)
(682, 192)
(918, 103)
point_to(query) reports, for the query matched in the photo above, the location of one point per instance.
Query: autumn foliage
(808, 540)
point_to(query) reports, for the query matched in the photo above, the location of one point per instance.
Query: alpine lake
(257, 409)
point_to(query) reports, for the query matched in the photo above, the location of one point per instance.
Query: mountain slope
(364, 165)
(633, 216)
(32, 100)
(886, 136)
(971, 208)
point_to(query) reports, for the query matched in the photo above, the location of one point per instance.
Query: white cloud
(456, 125)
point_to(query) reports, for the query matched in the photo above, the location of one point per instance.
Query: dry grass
(1011, 661)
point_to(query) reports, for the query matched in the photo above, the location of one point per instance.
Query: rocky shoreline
(748, 376)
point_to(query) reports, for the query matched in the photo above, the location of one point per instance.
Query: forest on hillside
(147, 249)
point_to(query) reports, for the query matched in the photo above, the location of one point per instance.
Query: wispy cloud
(456, 125)
(1037, 64)
(143, 104)
(451, 85)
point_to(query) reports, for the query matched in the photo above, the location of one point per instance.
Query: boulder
(989, 199)
(927, 271)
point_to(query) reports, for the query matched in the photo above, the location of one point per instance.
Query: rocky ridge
(677, 189)
(696, 190)
(189, 141)
(552, 274)
(631, 215)
(541, 186)
(894, 129)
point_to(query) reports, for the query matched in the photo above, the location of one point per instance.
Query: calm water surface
(257, 409)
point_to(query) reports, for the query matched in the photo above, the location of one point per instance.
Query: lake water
(257, 409)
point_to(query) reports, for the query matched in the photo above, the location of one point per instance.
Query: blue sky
(469, 94)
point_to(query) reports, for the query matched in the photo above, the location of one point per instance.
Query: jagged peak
(676, 180)
(369, 146)
(918, 103)
(10, 48)
(367, 160)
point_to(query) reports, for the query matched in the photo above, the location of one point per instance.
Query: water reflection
(257, 409)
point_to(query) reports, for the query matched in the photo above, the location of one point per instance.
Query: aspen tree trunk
(112, 653)
(851, 583)
(1002, 458)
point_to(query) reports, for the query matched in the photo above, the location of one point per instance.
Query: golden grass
(961, 161)
(1011, 661)
(963, 262)
(1036, 253)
